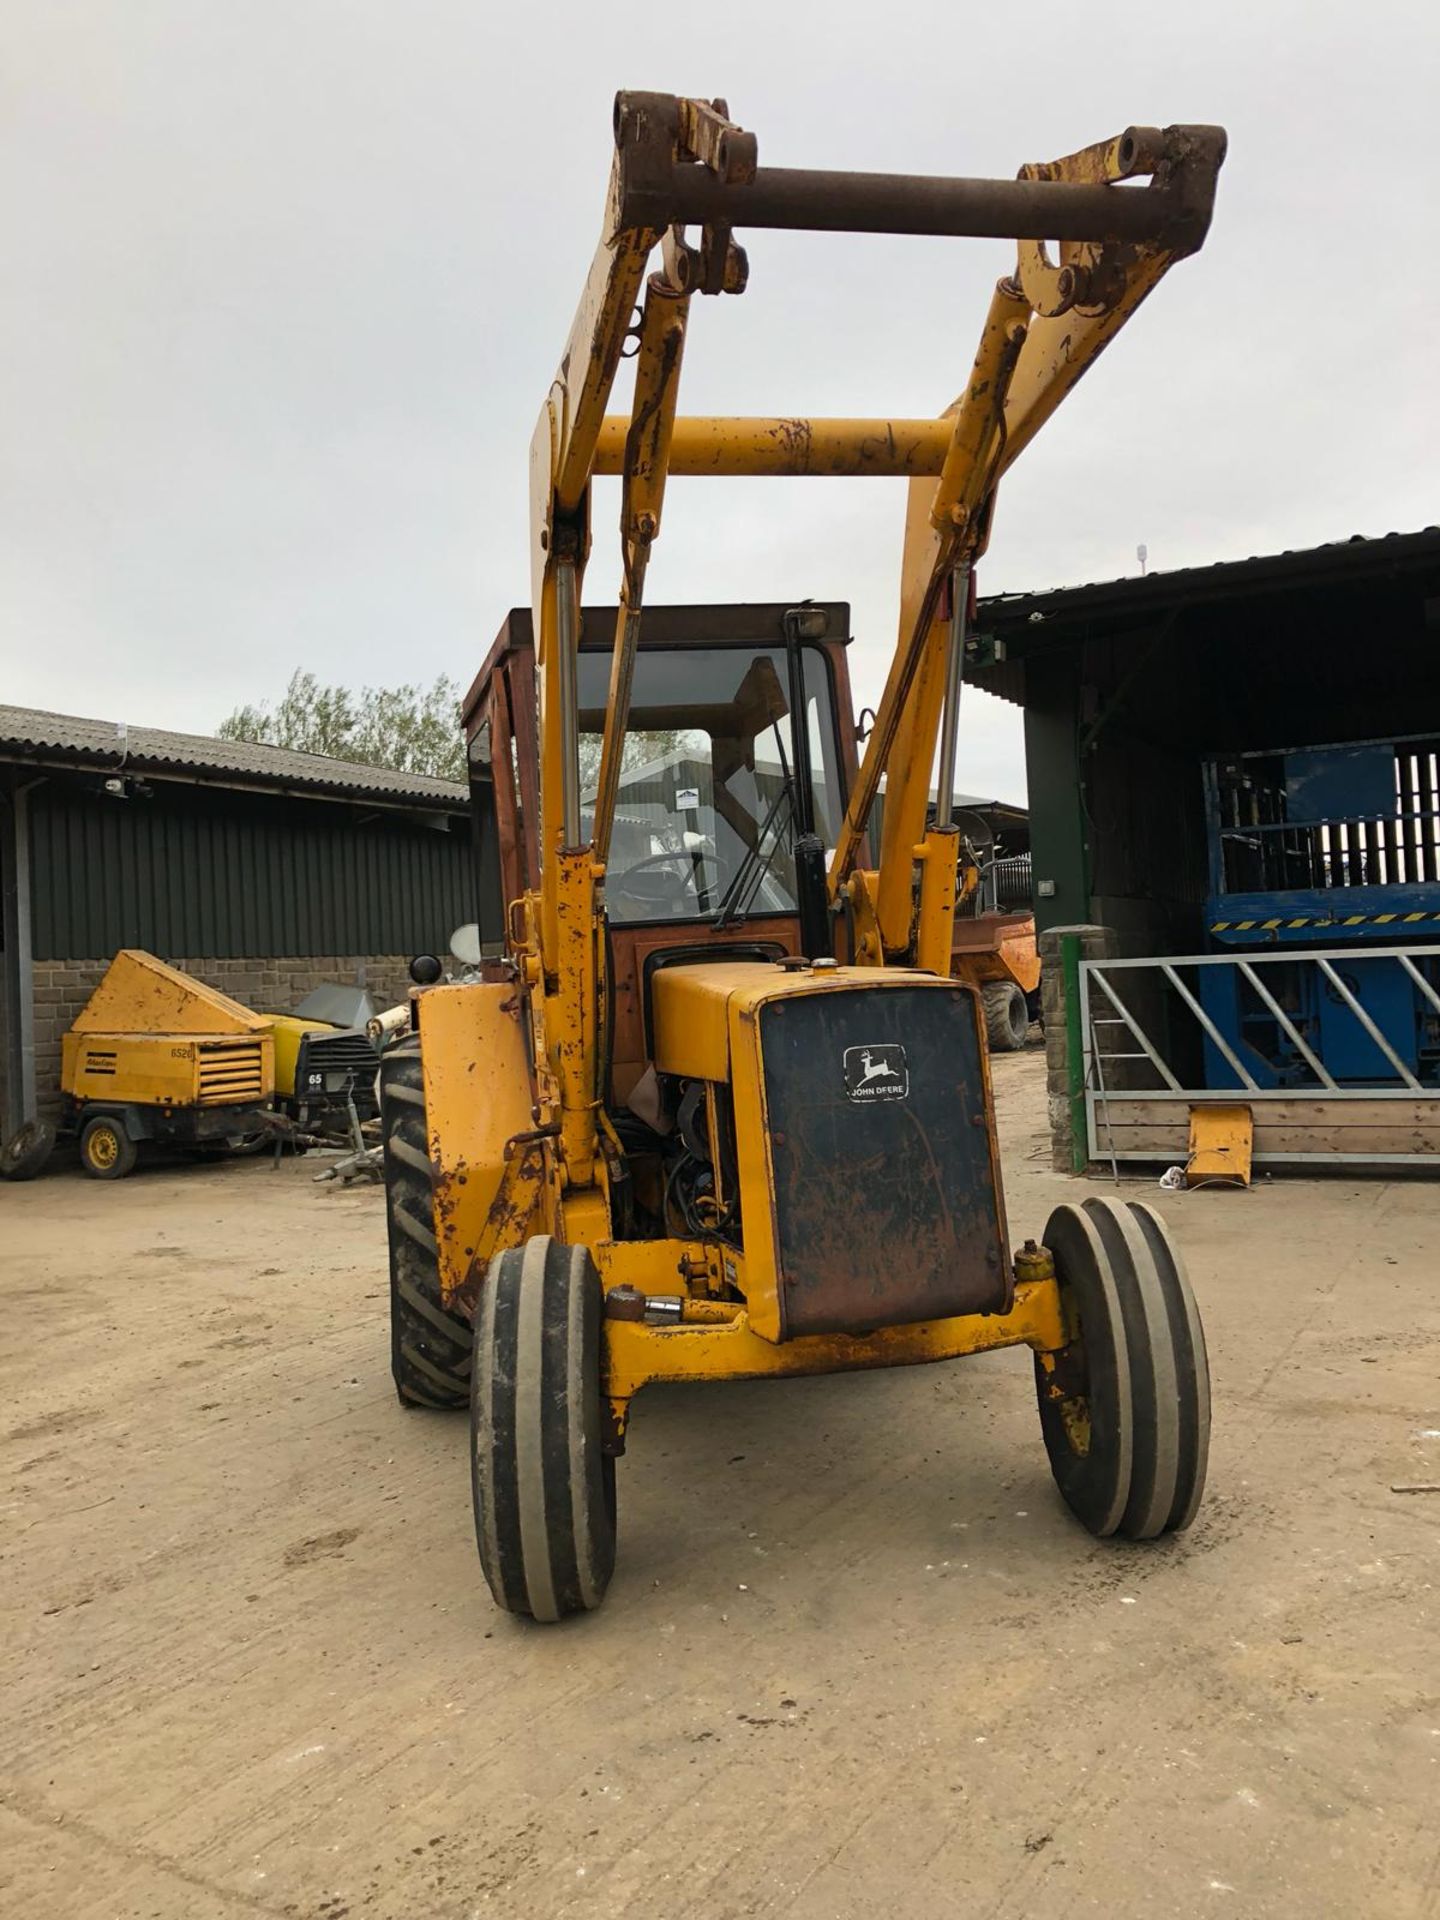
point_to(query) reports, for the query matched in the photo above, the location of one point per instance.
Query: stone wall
(269, 986)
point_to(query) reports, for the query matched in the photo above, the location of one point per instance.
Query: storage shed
(262, 871)
(1235, 803)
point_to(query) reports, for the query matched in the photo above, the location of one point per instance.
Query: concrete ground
(856, 1657)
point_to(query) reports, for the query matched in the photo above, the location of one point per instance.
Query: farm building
(1234, 786)
(262, 871)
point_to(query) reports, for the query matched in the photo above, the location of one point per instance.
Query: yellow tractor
(717, 1108)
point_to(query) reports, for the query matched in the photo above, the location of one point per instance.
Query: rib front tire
(543, 1487)
(1125, 1406)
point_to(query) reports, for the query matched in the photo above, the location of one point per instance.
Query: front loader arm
(653, 133)
(681, 163)
(1054, 319)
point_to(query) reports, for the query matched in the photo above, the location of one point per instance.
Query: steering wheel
(670, 891)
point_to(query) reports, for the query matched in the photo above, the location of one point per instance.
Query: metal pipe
(1093, 970)
(1420, 981)
(617, 711)
(644, 460)
(825, 201)
(1369, 1025)
(765, 447)
(1212, 1032)
(950, 712)
(1291, 1032)
(19, 970)
(567, 624)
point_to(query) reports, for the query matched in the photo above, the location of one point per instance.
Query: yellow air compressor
(157, 1056)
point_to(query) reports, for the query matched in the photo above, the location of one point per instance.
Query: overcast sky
(285, 282)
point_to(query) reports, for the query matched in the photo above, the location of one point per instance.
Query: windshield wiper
(751, 872)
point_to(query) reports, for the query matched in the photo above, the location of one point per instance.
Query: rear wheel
(542, 1484)
(1125, 1407)
(106, 1150)
(429, 1345)
(1007, 1018)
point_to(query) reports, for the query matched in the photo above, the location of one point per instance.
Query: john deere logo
(876, 1073)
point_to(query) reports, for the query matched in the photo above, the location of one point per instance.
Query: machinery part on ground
(1125, 1405)
(367, 1163)
(429, 1345)
(542, 1483)
(244, 1146)
(27, 1150)
(1007, 1016)
(385, 1028)
(106, 1150)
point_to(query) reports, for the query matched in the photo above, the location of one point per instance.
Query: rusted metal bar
(838, 202)
(898, 449)
(954, 681)
(646, 464)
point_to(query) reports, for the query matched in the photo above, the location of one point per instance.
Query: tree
(639, 749)
(410, 729)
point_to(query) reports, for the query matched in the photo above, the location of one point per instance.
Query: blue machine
(1326, 849)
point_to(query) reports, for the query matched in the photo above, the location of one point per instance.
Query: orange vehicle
(998, 953)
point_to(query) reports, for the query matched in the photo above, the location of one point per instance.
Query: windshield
(704, 821)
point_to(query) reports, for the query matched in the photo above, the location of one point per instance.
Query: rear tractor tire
(429, 1345)
(542, 1484)
(1007, 1017)
(1125, 1407)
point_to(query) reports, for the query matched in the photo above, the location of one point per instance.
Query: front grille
(332, 1064)
(341, 1053)
(230, 1071)
(887, 1205)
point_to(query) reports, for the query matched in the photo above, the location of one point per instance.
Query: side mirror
(465, 945)
(425, 970)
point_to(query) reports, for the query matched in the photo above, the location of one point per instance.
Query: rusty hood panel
(887, 1202)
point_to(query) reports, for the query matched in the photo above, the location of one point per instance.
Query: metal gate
(1156, 1043)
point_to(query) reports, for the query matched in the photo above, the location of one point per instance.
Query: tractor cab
(717, 783)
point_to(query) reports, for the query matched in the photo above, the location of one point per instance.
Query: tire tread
(429, 1345)
(543, 1489)
(1005, 1027)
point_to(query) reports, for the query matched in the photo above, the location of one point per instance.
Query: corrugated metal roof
(1359, 553)
(31, 735)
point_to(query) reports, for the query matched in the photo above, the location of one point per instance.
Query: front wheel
(543, 1487)
(1125, 1406)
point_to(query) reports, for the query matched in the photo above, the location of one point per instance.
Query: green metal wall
(195, 871)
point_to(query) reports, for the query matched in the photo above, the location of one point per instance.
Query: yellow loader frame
(514, 1068)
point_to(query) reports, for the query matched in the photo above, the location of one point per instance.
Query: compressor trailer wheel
(106, 1150)
(1125, 1406)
